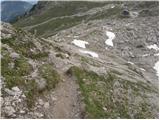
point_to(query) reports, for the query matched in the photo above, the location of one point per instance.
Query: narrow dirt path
(65, 101)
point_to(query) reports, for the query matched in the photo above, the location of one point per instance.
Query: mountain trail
(66, 101)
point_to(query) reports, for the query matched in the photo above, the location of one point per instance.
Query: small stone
(46, 105)
(16, 89)
(1, 101)
(7, 101)
(125, 13)
(9, 92)
(39, 115)
(104, 108)
(11, 65)
(54, 98)
(9, 111)
(41, 84)
(66, 55)
(14, 55)
(22, 111)
(23, 96)
(40, 102)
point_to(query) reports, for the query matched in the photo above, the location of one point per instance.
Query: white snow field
(155, 47)
(110, 36)
(156, 67)
(80, 43)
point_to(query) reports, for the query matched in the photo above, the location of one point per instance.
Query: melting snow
(155, 47)
(80, 43)
(111, 36)
(156, 66)
(93, 54)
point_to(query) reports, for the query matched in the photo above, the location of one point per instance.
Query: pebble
(16, 89)
(38, 114)
(14, 55)
(46, 105)
(9, 111)
(54, 98)
(22, 111)
(40, 102)
(104, 108)
(9, 92)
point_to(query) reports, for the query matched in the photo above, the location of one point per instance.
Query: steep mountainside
(98, 68)
(10, 10)
(47, 18)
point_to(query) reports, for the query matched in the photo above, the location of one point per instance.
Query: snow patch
(142, 69)
(156, 54)
(93, 54)
(156, 66)
(155, 47)
(110, 36)
(130, 63)
(112, 6)
(75, 36)
(80, 43)
(145, 55)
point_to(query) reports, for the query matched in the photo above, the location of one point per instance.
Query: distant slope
(10, 10)
(47, 18)
(59, 15)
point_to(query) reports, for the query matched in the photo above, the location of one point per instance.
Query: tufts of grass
(50, 75)
(31, 92)
(24, 48)
(16, 76)
(107, 96)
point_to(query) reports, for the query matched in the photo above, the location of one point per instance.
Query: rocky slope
(97, 69)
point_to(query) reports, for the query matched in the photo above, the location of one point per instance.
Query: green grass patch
(50, 75)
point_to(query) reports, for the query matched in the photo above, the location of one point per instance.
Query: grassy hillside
(62, 9)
